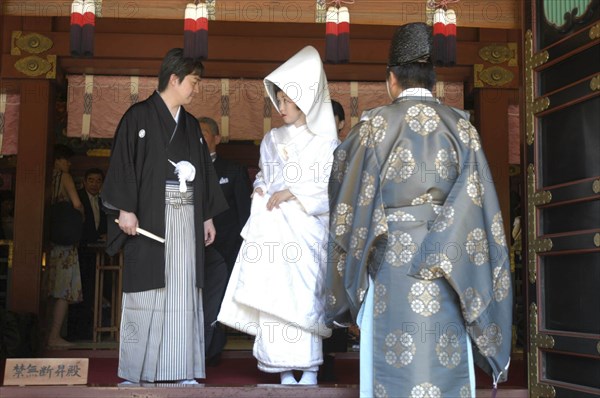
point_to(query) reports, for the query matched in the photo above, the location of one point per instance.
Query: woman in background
(64, 280)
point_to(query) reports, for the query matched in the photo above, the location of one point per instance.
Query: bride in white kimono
(276, 290)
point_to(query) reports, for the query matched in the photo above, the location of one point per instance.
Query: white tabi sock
(308, 378)
(288, 377)
(187, 381)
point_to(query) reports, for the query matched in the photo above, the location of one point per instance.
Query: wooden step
(178, 391)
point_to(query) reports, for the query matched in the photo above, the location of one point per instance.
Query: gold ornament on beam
(98, 152)
(430, 7)
(532, 61)
(596, 186)
(529, 89)
(35, 66)
(535, 245)
(211, 6)
(499, 53)
(595, 83)
(540, 105)
(536, 341)
(33, 43)
(320, 11)
(493, 76)
(595, 31)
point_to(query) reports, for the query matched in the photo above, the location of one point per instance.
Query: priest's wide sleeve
(358, 229)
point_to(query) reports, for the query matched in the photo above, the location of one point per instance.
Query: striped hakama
(162, 330)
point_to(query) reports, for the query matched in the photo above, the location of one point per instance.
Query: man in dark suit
(234, 182)
(93, 234)
(94, 226)
(221, 255)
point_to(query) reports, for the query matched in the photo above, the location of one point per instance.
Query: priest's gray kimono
(416, 226)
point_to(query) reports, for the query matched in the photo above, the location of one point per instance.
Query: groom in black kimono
(161, 179)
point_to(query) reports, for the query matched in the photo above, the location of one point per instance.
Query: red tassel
(76, 27)
(201, 33)
(438, 56)
(189, 27)
(331, 36)
(195, 31)
(343, 35)
(88, 29)
(450, 38)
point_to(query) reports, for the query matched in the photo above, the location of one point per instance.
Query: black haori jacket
(135, 182)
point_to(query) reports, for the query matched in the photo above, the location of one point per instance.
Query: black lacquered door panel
(562, 158)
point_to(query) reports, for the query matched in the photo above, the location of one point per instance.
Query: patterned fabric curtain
(514, 136)
(95, 105)
(9, 123)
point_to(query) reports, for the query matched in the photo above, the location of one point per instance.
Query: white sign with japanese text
(45, 371)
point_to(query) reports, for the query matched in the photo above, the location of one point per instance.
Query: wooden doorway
(562, 163)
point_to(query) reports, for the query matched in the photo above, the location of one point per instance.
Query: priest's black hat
(411, 43)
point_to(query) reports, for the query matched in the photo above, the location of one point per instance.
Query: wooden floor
(110, 389)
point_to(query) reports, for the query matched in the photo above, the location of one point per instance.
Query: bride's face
(290, 113)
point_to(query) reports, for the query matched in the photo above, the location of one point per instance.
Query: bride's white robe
(276, 288)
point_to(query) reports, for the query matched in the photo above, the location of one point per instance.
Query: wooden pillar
(496, 82)
(37, 97)
(491, 107)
